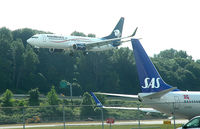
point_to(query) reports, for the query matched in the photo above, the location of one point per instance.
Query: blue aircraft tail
(150, 79)
(117, 31)
(96, 100)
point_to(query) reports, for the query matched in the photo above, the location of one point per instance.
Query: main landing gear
(85, 53)
(71, 54)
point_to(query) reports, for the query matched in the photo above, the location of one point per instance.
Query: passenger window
(193, 124)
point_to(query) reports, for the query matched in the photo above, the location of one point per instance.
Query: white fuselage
(185, 104)
(65, 42)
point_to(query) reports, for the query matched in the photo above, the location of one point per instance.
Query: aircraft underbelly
(102, 48)
(183, 110)
(55, 45)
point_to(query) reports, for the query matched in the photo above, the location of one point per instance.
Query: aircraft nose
(29, 41)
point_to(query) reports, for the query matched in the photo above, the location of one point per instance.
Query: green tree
(114, 70)
(5, 59)
(52, 97)
(29, 77)
(87, 109)
(7, 100)
(122, 72)
(172, 53)
(18, 61)
(91, 35)
(76, 33)
(23, 34)
(34, 97)
(5, 34)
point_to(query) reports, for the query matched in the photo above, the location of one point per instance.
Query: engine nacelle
(116, 44)
(52, 50)
(79, 47)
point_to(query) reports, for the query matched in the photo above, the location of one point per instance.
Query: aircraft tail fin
(117, 31)
(150, 79)
(99, 104)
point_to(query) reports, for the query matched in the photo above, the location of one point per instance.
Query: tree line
(22, 68)
(35, 110)
(52, 109)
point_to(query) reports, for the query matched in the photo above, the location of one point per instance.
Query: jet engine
(52, 50)
(79, 47)
(116, 44)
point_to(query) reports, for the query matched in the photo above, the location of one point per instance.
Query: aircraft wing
(108, 41)
(99, 104)
(119, 95)
(160, 94)
(133, 108)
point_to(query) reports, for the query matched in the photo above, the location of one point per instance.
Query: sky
(162, 24)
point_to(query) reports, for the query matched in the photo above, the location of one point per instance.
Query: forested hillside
(22, 68)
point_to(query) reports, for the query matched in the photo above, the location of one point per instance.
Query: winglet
(134, 32)
(96, 100)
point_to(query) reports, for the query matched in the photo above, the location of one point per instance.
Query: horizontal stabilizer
(160, 94)
(133, 108)
(122, 108)
(119, 95)
(90, 45)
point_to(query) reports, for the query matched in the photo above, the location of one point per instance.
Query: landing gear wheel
(85, 53)
(71, 54)
(36, 50)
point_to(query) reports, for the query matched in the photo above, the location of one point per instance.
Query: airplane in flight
(158, 94)
(58, 43)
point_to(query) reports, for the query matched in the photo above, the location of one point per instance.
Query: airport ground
(42, 117)
(108, 127)
(147, 124)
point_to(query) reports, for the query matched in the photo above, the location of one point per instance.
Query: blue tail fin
(96, 100)
(150, 79)
(117, 31)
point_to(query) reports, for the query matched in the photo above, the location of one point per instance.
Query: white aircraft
(58, 43)
(158, 94)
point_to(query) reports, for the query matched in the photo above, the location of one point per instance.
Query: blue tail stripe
(96, 100)
(150, 79)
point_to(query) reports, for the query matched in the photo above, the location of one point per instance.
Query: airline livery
(58, 43)
(158, 94)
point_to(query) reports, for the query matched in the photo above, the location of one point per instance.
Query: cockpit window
(35, 37)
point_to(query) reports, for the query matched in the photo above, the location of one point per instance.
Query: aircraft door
(177, 103)
(44, 38)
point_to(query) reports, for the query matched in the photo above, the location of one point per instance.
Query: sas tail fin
(117, 31)
(150, 79)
